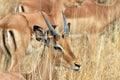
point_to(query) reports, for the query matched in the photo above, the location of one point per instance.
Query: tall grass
(100, 59)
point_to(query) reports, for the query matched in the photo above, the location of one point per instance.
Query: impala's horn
(52, 30)
(66, 28)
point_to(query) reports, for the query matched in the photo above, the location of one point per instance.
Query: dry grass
(99, 58)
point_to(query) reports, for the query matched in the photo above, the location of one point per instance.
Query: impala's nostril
(78, 65)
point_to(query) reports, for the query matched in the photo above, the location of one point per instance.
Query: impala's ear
(39, 32)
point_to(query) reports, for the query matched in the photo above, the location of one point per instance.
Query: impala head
(61, 47)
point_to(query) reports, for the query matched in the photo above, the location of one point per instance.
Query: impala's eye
(58, 47)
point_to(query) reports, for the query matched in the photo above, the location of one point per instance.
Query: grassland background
(100, 59)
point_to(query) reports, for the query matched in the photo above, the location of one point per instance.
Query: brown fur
(32, 5)
(21, 27)
(51, 59)
(12, 23)
(1, 56)
(52, 7)
(91, 17)
(21, 24)
(11, 76)
(86, 11)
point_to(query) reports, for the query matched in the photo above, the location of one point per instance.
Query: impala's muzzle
(74, 68)
(77, 67)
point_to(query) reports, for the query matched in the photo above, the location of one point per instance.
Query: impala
(52, 7)
(86, 17)
(92, 17)
(59, 52)
(17, 30)
(16, 38)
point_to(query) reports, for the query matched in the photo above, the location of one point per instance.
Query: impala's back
(92, 17)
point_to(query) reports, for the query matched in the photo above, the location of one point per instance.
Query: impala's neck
(56, 12)
(58, 7)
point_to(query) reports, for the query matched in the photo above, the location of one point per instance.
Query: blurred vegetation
(7, 6)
